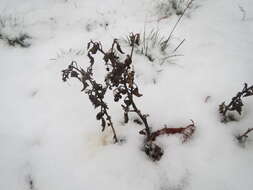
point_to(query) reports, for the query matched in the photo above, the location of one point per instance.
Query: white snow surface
(48, 130)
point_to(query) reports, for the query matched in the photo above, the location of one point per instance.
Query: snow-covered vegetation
(49, 136)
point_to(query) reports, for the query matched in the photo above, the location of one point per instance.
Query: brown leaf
(103, 124)
(74, 74)
(119, 48)
(128, 61)
(94, 49)
(88, 45)
(127, 102)
(99, 115)
(91, 59)
(85, 85)
(136, 92)
(106, 58)
(126, 118)
(137, 39)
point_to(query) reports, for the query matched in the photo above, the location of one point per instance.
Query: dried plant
(148, 43)
(156, 47)
(172, 7)
(187, 132)
(152, 46)
(154, 151)
(11, 32)
(20, 40)
(243, 137)
(165, 43)
(120, 79)
(235, 104)
(94, 90)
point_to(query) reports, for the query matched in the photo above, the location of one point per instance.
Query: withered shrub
(235, 105)
(11, 32)
(227, 111)
(120, 79)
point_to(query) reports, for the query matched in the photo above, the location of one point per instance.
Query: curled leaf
(95, 48)
(91, 59)
(99, 115)
(74, 74)
(119, 48)
(85, 85)
(137, 39)
(128, 60)
(136, 92)
(88, 45)
(127, 102)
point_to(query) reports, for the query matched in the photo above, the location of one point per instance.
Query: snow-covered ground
(49, 137)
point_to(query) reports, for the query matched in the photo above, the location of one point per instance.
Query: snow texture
(49, 137)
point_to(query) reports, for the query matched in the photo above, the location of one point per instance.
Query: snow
(48, 130)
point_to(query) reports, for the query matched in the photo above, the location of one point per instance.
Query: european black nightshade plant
(94, 90)
(120, 79)
(235, 104)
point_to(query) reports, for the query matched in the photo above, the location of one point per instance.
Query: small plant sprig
(235, 104)
(94, 90)
(243, 137)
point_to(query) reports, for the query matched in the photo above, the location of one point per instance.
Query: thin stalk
(174, 27)
(111, 125)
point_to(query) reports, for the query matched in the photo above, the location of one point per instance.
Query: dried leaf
(106, 58)
(94, 49)
(153, 151)
(74, 74)
(222, 107)
(119, 48)
(88, 45)
(85, 85)
(249, 93)
(136, 92)
(138, 121)
(103, 123)
(91, 59)
(99, 115)
(128, 61)
(127, 102)
(137, 39)
(126, 118)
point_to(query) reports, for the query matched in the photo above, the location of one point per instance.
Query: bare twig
(236, 102)
(187, 132)
(179, 45)
(242, 138)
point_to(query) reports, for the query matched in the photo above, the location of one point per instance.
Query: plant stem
(238, 96)
(104, 107)
(111, 125)
(174, 27)
(136, 110)
(244, 135)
